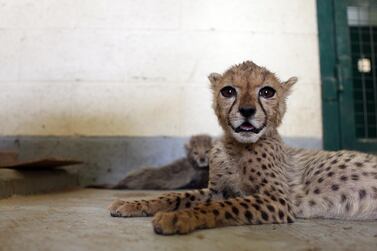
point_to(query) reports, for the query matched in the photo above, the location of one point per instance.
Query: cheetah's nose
(247, 111)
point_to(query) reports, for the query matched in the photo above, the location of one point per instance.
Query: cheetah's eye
(267, 92)
(228, 91)
(196, 153)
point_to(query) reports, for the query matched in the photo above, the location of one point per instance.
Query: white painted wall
(139, 67)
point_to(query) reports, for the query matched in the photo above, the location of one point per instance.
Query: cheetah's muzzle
(248, 127)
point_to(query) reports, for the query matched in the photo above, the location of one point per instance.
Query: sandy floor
(78, 220)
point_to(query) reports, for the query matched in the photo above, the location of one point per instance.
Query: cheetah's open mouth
(248, 127)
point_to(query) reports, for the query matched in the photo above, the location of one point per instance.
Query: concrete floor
(78, 220)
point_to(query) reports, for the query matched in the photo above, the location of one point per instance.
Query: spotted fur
(254, 177)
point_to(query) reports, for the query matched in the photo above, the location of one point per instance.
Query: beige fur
(254, 177)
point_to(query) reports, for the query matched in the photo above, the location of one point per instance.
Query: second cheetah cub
(254, 177)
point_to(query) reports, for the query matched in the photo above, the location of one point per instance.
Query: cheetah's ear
(214, 78)
(290, 82)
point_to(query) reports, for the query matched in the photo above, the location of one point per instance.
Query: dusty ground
(78, 220)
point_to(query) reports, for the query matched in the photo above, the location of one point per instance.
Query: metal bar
(373, 64)
(365, 108)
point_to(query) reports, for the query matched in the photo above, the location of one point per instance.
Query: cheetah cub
(254, 177)
(190, 172)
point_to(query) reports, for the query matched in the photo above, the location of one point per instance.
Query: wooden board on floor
(41, 164)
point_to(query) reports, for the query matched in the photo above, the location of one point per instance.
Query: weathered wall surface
(139, 67)
(107, 78)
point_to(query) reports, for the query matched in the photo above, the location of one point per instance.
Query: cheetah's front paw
(121, 208)
(168, 223)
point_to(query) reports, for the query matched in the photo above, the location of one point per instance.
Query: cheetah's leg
(236, 211)
(166, 202)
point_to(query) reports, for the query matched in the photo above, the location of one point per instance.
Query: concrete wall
(139, 67)
(98, 74)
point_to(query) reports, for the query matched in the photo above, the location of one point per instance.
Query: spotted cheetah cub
(254, 177)
(190, 172)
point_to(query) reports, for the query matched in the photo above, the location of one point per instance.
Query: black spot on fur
(330, 174)
(256, 206)
(312, 203)
(343, 178)
(248, 215)
(228, 215)
(215, 212)
(270, 208)
(177, 203)
(343, 198)
(335, 187)
(289, 219)
(317, 191)
(282, 201)
(264, 215)
(235, 210)
(213, 190)
(188, 204)
(264, 167)
(358, 164)
(281, 214)
(362, 194)
(228, 203)
(342, 166)
(355, 177)
(259, 159)
(320, 180)
(244, 205)
(334, 162)
(348, 206)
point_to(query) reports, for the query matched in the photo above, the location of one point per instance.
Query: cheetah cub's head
(197, 150)
(249, 100)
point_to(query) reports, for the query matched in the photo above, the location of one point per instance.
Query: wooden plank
(49, 163)
(8, 158)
